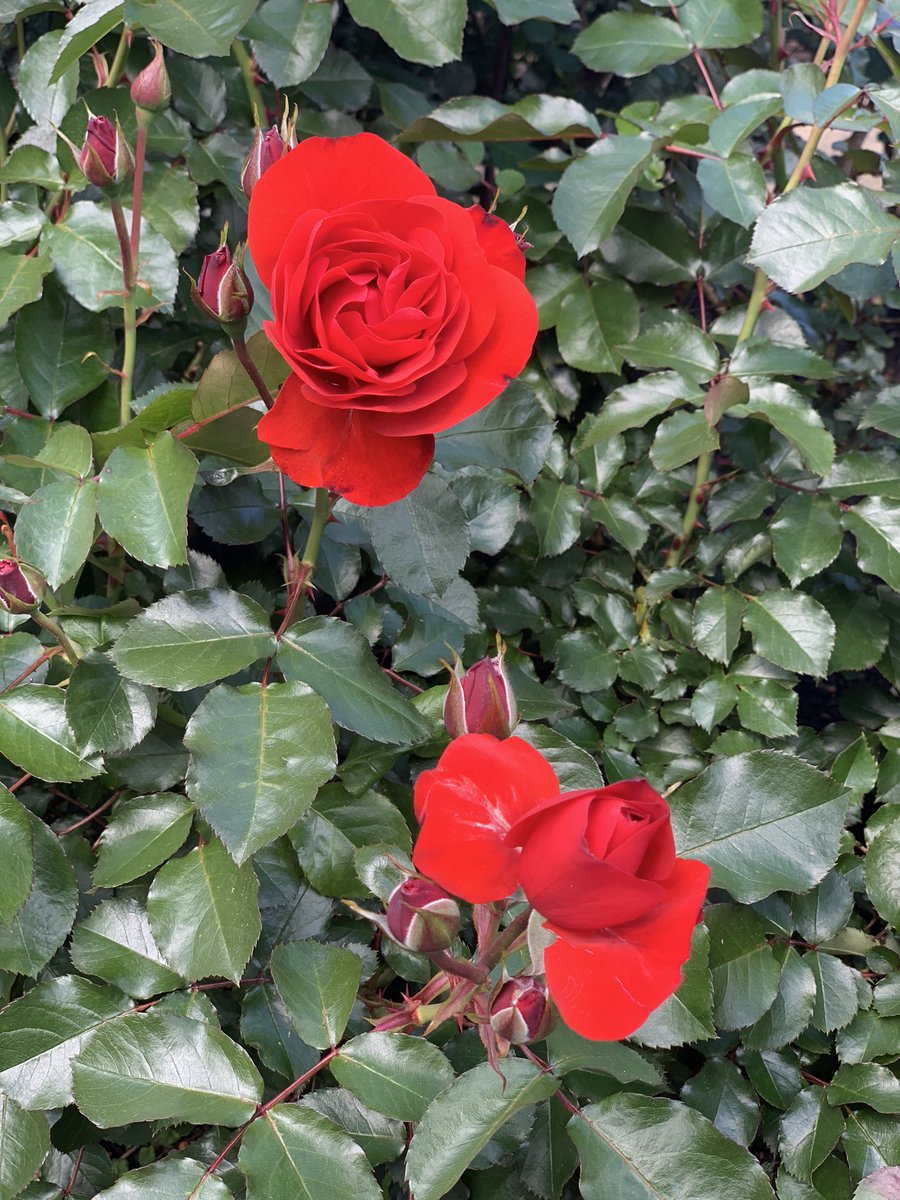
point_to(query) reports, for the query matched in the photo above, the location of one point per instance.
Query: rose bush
(399, 313)
(598, 864)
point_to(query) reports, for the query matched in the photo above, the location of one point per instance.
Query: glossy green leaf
(25, 1138)
(593, 323)
(47, 102)
(21, 281)
(556, 509)
(680, 346)
(420, 31)
(593, 191)
(809, 1132)
(170, 1179)
(875, 523)
(882, 871)
(115, 943)
(513, 432)
(203, 913)
(142, 833)
(318, 984)
(293, 1151)
(192, 638)
(393, 1073)
(682, 438)
(289, 40)
(763, 821)
(721, 24)
(204, 27)
(630, 43)
(865, 1083)
(157, 1066)
(477, 118)
(721, 1094)
(17, 837)
(36, 736)
(255, 785)
(106, 712)
(806, 536)
(422, 540)
(734, 186)
(55, 533)
(686, 1016)
(791, 630)
(382, 1138)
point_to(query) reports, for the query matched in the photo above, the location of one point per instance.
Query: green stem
(137, 193)
(320, 520)
(20, 37)
(888, 54)
(254, 95)
(52, 628)
(118, 62)
(129, 313)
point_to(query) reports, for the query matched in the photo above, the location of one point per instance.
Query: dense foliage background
(684, 520)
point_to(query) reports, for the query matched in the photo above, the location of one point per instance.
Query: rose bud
(522, 1011)
(480, 700)
(20, 587)
(151, 90)
(223, 291)
(421, 916)
(106, 159)
(267, 148)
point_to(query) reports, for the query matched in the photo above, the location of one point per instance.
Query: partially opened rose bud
(21, 587)
(106, 159)
(480, 700)
(223, 291)
(267, 148)
(522, 1011)
(151, 90)
(422, 916)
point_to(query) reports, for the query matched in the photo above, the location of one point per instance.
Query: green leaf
(745, 972)
(763, 821)
(170, 202)
(865, 1083)
(721, 24)
(199, 28)
(791, 630)
(142, 833)
(633, 405)
(686, 1016)
(592, 193)
(882, 869)
(382, 1139)
(768, 707)
(810, 1130)
(17, 839)
(158, 1066)
(513, 432)
(721, 1093)
(91, 23)
(811, 234)
(822, 913)
(42, 924)
(870, 1141)
(21, 280)
(556, 509)
(806, 536)
(254, 785)
(592, 322)
(318, 985)
(875, 523)
(20, 222)
(55, 532)
(289, 39)
(266, 1026)
(204, 915)
(678, 345)
(622, 520)
(421, 31)
(734, 186)
(142, 499)
(512, 12)
(115, 943)
(681, 438)
(568, 1051)
(192, 638)
(393, 1073)
(293, 1152)
(86, 255)
(618, 1144)
(61, 350)
(630, 44)
(793, 416)
(837, 998)
(36, 736)
(422, 540)
(792, 1009)
(584, 662)
(25, 1138)
(171, 1179)
(763, 357)
(47, 102)
(42, 1032)
(464, 1118)
(478, 118)
(106, 712)
(334, 658)
(865, 473)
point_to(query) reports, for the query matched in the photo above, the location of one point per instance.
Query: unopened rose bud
(21, 587)
(151, 90)
(267, 148)
(106, 159)
(421, 916)
(480, 700)
(522, 1011)
(223, 291)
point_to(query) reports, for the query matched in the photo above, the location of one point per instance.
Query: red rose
(599, 865)
(400, 314)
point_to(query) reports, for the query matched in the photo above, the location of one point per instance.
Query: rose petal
(326, 173)
(498, 241)
(467, 804)
(335, 448)
(605, 990)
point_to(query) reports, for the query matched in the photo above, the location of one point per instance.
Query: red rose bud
(480, 700)
(267, 148)
(106, 159)
(151, 90)
(20, 587)
(421, 916)
(223, 291)
(522, 1011)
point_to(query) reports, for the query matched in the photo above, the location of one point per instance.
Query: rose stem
(761, 280)
(254, 95)
(118, 62)
(52, 628)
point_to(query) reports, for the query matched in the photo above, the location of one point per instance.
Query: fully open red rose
(599, 865)
(400, 314)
